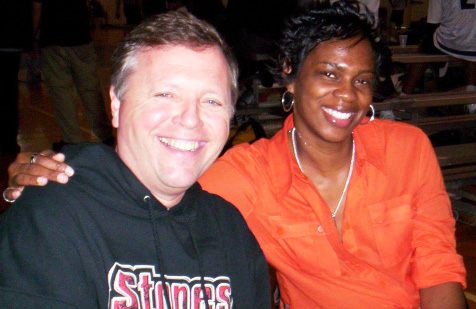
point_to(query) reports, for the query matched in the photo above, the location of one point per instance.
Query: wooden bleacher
(413, 105)
(408, 49)
(423, 58)
(456, 161)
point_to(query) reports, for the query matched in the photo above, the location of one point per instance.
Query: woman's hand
(35, 169)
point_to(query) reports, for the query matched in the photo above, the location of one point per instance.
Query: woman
(352, 212)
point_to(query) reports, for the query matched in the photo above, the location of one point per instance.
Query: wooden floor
(38, 130)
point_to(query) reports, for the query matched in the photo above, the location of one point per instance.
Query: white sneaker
(389, 115)
(470, 108)
(470, 88)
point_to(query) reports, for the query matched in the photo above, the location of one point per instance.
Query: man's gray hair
(172, 28)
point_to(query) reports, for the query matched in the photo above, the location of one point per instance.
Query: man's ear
(115, 105)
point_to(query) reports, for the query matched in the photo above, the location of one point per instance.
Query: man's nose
(189, 115)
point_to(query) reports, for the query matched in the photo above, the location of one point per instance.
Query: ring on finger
(33, 157)
(5, 196)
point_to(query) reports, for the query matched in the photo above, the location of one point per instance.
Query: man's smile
(180, 144)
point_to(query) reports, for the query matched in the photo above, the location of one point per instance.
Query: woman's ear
(287, 68)
(290, 88)
(115, 106)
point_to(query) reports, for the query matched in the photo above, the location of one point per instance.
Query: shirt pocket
(393, 229)
(304, 240)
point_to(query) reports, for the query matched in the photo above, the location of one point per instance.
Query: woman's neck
(317, 156)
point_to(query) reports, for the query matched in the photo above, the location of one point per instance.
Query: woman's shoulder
(392, 130)
(247, 156)
(238, 172)
(388, 138)
(397, 126)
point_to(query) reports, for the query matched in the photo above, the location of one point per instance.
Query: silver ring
(33, 157)
(5, 197)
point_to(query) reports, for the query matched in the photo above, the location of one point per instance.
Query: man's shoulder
(225, 212)
(89, 153)
(53, 204)
(218, 204)
(91, 164)
(231, 222)
(95, 164)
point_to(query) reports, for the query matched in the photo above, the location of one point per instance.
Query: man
(132, 11)
(15, 36)
(67, 62)
(452, 32)
(151, 238)
(373, 6)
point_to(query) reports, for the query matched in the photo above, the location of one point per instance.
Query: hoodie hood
(108, 176)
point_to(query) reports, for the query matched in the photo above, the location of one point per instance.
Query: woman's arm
(437, 269)
(36, 169)
(448, 295)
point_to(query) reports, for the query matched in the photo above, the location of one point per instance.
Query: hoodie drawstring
(200, 266)
(160, 267)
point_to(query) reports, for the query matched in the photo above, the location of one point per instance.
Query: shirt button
(361, 163)
(347, 226)
(379, 220)
(320, 229)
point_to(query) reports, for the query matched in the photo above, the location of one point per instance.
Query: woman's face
(333, 91)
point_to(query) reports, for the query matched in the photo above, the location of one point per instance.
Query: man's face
(174, 118)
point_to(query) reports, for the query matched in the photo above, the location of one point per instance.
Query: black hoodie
(104, 240)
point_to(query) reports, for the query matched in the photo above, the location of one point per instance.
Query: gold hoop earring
(284, 102)
(372, 117)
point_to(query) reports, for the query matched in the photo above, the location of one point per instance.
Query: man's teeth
(179, 144)
(337, 114)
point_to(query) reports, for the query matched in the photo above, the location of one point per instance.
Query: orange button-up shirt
(397, 232)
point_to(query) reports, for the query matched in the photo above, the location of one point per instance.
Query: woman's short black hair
(339, 20)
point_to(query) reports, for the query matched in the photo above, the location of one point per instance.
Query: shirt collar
(370, 144)
(370, 147)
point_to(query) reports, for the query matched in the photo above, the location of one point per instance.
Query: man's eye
(163, 95)
(213, 102)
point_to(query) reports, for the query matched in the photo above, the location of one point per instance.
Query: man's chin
(182, 183)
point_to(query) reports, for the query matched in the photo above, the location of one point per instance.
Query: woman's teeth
(337, 114)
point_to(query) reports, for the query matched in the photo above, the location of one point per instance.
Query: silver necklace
(349, 174)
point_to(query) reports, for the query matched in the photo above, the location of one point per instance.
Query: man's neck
(169, 201)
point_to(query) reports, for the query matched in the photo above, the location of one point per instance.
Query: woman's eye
(363, 82)
(328, 74)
